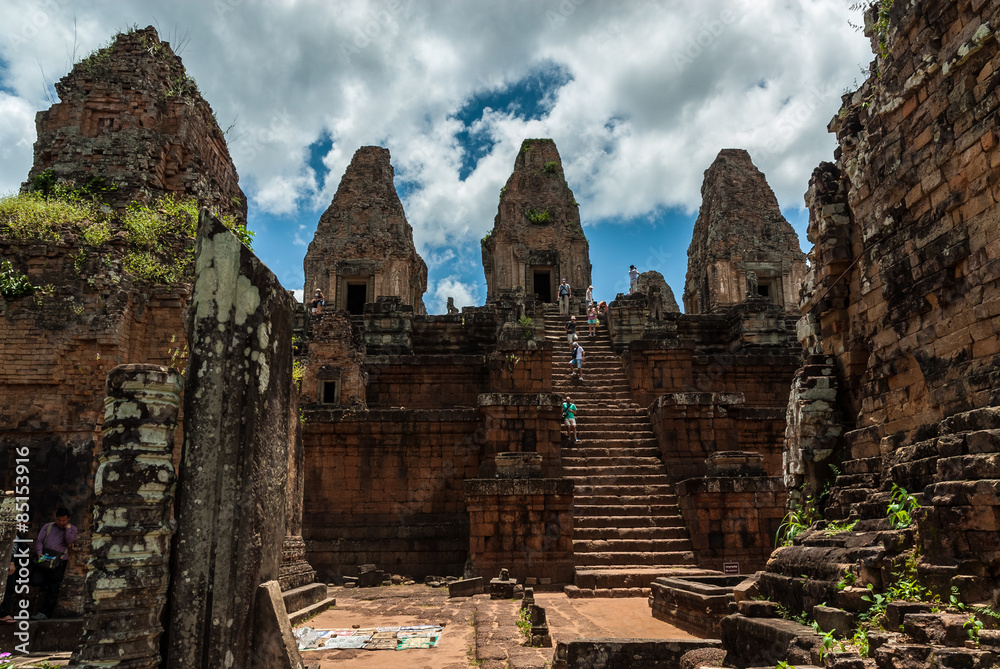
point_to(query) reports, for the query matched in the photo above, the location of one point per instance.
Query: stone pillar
(231, 502)
(295, 571)
(127, 574)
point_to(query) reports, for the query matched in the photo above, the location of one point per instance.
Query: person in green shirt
(569, 417)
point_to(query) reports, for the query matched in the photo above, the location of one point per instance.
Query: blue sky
(639, 97)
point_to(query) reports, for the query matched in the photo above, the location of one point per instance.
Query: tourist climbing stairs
(627, 526)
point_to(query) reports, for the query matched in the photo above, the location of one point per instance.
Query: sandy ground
(478, 632)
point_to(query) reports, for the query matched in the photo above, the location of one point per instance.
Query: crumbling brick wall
(56, 349)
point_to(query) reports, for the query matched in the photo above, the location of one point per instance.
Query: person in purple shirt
(53, 543)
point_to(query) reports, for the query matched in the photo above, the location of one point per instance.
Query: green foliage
(901, 507)
(538, 216)
(784, 665)
(503, 190)
(486, 236)
(881, 27)
(972, 627)
(95, 234)
(828, 643)
(551, 167)
(838, 527)
(860, 641)
(178, 355)
(298, 371)
(798, 519)
(524, 623)
(26, 216)
(13, 284)
(847, 581)
(529, 331)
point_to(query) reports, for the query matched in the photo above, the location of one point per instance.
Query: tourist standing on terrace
(318, 302)
(590, 295)
(52, 549)
(633, 279)
(565, 292)
(569, 417)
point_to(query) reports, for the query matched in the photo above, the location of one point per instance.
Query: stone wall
(524, 423)
(691, 426)
(732, 519)
(523, 525)
(425, 381)
(385, 487)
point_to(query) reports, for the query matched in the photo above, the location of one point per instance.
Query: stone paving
(478, 631)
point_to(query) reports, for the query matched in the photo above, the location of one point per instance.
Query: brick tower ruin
(742, 246)
(536, 238)
(363, 247)
(131, 126)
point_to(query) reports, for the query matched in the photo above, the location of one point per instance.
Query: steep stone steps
(627, 524)
(615, 521)
(677, 532)
(617, 558)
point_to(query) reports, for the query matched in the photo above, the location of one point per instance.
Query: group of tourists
(51, 554)
(595, 312)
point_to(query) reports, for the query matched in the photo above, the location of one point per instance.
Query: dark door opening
(357, 295)
(542, 283)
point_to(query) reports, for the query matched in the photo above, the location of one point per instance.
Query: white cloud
(17, 134)
(465, 294)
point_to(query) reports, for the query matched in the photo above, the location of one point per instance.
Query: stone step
(627, 521)
(682, 557)
(629, 576)
(623, 479)
(634, 546)
(609, 445)
(664, 489)
(653, 468)
(676, 532)
(605, 510)
(629, 500)
(863, 466)
(608, 435)
(300, 616)
(619, 460)
(581, 450)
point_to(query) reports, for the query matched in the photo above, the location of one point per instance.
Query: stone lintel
(703, 399)
(728, 484)
(519, 399)
(518, 487)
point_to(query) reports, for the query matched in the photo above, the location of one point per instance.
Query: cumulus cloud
(652, 92)
(466, 294)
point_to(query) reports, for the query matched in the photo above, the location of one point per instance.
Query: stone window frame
(344, 280)
(324, 376)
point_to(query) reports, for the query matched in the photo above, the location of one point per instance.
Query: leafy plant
(877, 604)
(524, 622)
(847, 581)
(972, 627)
(838, 527)
(13, 284)
(901, 507)
(798, 519)
(529, 331)
(551, 167)
(828, 643)
(784, 665)
(860, 641)
(298, 371)
(538, 216)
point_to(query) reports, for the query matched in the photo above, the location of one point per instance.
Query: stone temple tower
(536, 238)
(363, 246)
(131, 126)
(742, 246)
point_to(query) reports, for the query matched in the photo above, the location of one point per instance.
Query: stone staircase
(627, 526)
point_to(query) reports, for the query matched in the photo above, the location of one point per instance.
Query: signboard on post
(730, 568)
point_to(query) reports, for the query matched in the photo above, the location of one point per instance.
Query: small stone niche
(518, 465)
(735, 463)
